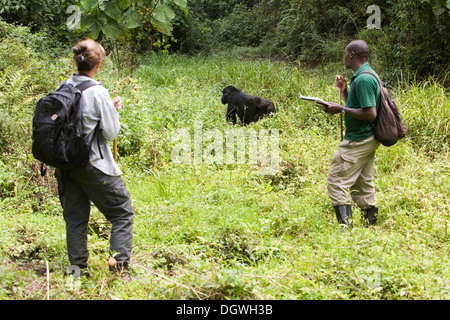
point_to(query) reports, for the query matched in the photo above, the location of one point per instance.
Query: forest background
(221, 231)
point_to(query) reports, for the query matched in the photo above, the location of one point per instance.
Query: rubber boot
(344, 215)
(370, 216)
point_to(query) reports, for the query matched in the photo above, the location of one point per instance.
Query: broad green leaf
(439, 11)
(162, 27)
(131, 19)
(448, 4)
(183, 3)
(112, 30)
(123, 4)
(162, 18)
(112, 10)
(163, 13)
(90, 4)
(95, 23)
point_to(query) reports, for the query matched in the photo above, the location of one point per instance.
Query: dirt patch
(166, 259)
(37, 266)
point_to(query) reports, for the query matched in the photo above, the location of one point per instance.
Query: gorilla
(248, 108)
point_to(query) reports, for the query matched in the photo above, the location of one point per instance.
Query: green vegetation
(412, 37)
(226, 231)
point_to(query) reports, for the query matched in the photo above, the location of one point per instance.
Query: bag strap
(356, 91)
(368, 72)
(85, 85)
(373, 74)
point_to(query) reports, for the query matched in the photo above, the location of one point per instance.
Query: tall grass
(234, 231)
(427, 112)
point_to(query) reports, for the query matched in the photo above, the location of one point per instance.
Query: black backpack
(58, 140)
(389, 126)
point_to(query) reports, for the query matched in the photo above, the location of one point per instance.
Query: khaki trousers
(351, 174)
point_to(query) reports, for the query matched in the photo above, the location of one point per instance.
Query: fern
(17, 90)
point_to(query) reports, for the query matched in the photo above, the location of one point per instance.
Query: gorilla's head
(226, 92)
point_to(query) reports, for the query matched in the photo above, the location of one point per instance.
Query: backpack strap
(379, 82)
(373, 74)
(97, 131)
(85, 85)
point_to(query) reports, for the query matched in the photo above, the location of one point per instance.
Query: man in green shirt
(351, 172)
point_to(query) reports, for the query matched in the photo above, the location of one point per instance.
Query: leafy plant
(123, 21)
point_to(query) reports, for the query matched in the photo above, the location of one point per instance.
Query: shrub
(25, 75)
(413, 38)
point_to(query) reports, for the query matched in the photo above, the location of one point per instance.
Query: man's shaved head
(360, 48)
(356, 54)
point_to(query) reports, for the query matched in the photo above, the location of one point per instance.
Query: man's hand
(117, 101)
(368, 114)
(334, 108)
(340, 83)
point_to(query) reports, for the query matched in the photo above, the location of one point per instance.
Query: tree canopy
(410, 36)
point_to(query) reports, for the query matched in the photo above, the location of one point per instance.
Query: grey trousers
(77, 188)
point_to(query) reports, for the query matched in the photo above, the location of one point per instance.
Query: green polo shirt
(368, 95)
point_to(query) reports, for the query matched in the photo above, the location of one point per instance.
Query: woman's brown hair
(87, 54)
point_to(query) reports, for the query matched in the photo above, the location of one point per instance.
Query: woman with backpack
(100, 179)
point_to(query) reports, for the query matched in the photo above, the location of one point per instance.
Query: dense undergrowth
(228, 231)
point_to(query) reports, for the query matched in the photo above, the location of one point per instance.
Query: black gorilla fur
(248, 108)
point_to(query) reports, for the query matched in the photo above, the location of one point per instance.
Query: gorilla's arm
(231, 113)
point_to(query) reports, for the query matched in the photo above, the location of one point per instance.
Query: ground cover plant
(230, 231)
